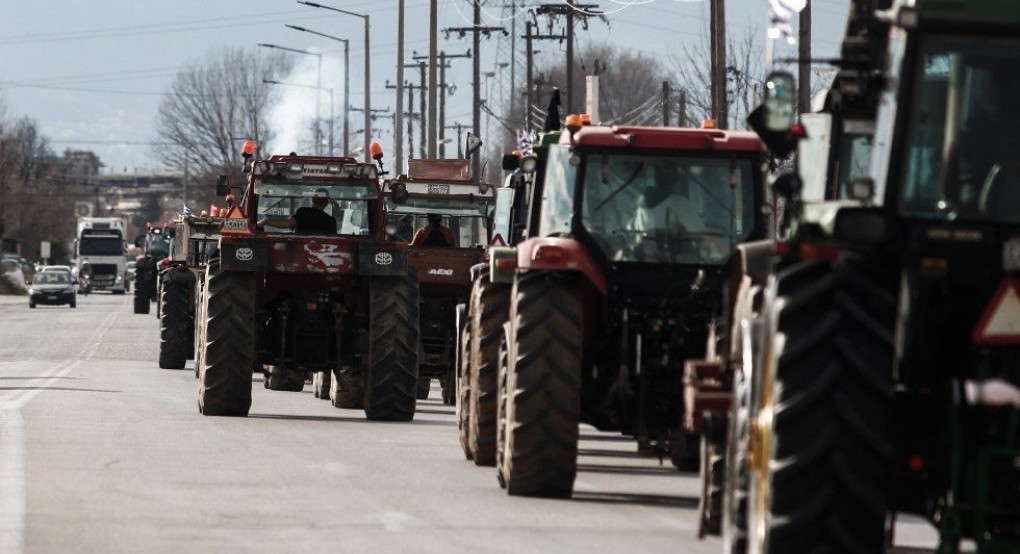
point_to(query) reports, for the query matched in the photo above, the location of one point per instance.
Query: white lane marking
(12, 482)
(13, 495)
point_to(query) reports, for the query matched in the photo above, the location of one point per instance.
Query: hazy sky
(92, 72)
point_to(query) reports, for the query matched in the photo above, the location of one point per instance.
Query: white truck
(100, 244)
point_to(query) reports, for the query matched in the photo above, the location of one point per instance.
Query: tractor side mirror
(780, 102)
(222, 186)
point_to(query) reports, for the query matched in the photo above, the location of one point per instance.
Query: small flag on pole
(780, 12)
(186, 212)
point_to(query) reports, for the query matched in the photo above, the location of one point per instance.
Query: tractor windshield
(667, 209)
(348, 204)
(963, 131)
(468, 221)
(157, 245)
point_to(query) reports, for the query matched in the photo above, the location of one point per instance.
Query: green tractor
(881, 373)
(155, 245)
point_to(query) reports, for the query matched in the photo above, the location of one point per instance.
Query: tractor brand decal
(244, 254)
(328, 255)
(235, 224)
(444, 272)
(384, 258)
(439, 189)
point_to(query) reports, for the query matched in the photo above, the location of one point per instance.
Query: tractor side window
(558, 193)
(962, 131)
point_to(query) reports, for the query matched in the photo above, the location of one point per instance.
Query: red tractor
(305, 283)
(612, 288)
(444, 215)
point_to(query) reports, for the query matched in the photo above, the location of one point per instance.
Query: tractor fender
(177, 274)
(560, 254)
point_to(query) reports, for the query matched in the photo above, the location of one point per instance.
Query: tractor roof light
(573, 123)
(708, 124)
(266, 167)
(333, 168)
(248, 150)
(376, 150)
(295, 167)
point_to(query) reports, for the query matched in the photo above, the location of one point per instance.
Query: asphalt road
(101, 451)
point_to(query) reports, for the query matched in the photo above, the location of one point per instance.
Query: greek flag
(186, 212)
(780, 12)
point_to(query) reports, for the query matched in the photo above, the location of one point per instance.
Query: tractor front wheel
(489, 309)
(175, 337)
(543, 405)
(391, 379)
(225, 376)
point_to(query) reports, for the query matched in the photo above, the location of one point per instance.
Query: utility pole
(720, 111)
(476, 30)
(398, 117)
(804, 53)
(531, 93)
(433, 89)
(571, 10)
(442, 88)
(665, 103)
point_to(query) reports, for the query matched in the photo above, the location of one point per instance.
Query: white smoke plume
(293, 115)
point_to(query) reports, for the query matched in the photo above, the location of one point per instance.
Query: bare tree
(745, 73)
(213, 103)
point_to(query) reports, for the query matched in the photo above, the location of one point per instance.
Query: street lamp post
(319, 89)
(368, 66)
(347, 82)
(318, 110)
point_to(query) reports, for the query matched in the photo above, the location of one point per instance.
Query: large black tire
(489, 309)
(712, 472)
(199, 325)
(544, 355)
(464, 395)
(502, 397)
(391, 379)
(225, 380)
(826, 448)
(141, 301)
(424, 388)
(175, 336)
(734, 516)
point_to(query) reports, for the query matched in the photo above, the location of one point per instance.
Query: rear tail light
(549, 254)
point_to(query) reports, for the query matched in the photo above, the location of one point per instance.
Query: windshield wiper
(626, 184)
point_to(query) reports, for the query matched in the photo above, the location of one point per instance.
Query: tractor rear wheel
(175, 338)
(225, 380)
(391, 379)
(544, 356)
(489, 309)
(820, 482)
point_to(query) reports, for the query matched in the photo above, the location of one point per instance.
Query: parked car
(11, 269)
(52, 287)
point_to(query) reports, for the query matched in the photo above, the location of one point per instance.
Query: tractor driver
(665, 202)
(434, 234)
(307, 220)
